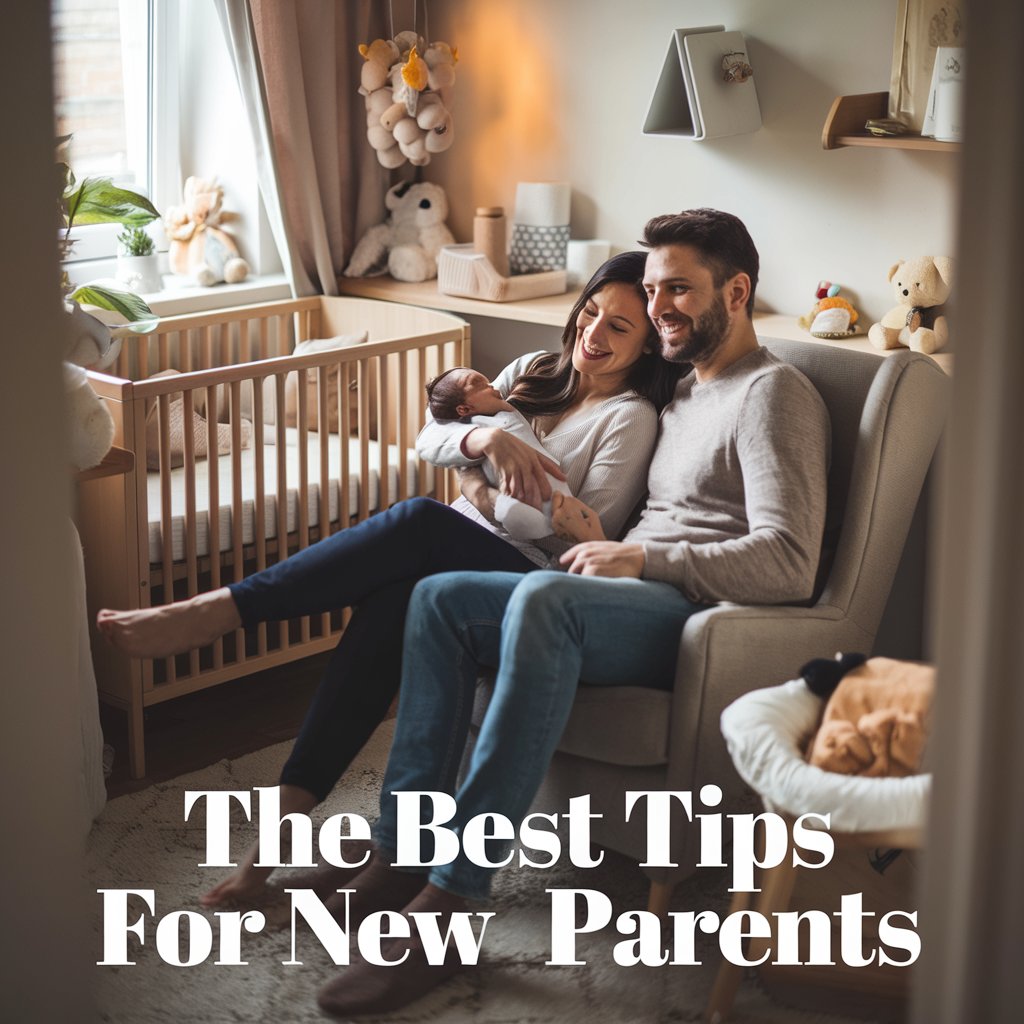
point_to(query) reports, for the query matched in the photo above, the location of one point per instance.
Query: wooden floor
(224, 721)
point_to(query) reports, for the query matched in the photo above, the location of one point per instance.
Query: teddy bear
(408, 98)
(199, 247)
(407, 243)
(921, 286)
(876, 720)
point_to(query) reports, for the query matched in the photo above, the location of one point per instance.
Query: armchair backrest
(887, 415)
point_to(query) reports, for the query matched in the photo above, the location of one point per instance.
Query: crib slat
(213, 515)
(383, 433)
(224, 333)
(244, 346)
(323, 421)
(402, 441)
(364, 440)
(191, 559)
(164, 352)
(167, 552)
(303, 497)
(421, 388)
(259, 511)
(235, 396)
(206, 343)
(264, 337)
(344, 423)
(282, 489)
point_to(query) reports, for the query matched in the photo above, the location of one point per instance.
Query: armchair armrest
(727, 651)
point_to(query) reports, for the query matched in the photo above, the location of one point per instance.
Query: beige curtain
(298, 66)
(331, 187)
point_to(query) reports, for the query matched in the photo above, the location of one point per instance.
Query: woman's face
(611, 332)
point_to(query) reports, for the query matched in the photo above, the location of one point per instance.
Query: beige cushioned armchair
(887, 415)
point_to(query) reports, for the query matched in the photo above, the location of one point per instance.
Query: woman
(594, 405)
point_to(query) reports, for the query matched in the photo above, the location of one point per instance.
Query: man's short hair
(721, 240)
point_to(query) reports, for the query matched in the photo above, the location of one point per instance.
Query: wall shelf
(844, 126)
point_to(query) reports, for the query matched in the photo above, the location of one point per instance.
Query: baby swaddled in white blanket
(467, 395)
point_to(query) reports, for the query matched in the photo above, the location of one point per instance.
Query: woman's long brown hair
(550, 383)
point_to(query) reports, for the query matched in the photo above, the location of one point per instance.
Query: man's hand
(574, 520)
(521, 471)
(605, 558)
(477, 491)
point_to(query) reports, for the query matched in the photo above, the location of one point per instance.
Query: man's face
(684, 305)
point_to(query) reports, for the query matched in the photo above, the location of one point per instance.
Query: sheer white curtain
(298, 68)
(241, 40)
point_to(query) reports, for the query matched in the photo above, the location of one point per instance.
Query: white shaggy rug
(142, 841)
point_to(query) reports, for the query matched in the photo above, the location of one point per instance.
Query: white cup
(583, 258)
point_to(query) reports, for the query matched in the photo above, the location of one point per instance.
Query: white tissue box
(461, 270)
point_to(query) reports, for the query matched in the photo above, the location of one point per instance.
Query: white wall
(559, 89)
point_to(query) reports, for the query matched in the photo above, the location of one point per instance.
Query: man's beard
(706, 338)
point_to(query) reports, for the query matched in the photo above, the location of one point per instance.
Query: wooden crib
(182, 522)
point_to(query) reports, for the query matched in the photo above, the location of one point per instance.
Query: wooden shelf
(777, 325)
(844, 126)
(550, 310)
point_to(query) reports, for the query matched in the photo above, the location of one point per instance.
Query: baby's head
(462, 392)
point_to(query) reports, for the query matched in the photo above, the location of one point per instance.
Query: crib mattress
(293, 499)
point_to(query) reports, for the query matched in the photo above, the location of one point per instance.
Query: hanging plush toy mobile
(408, 87)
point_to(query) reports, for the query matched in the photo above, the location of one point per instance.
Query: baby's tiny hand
(574, 521)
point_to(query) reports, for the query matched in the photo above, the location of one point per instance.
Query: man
(735, 512)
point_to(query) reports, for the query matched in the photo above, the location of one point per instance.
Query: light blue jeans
(543, 631)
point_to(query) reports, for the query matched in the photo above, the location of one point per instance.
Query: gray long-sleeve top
(737, 486)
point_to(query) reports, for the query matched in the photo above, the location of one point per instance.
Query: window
(113, 81)
(101, 82)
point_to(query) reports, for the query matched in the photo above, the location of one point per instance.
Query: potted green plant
(99, 201)
(137, 267)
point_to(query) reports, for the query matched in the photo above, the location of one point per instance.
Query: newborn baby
(466, 395)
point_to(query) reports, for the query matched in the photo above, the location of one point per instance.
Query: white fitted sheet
(176, 484)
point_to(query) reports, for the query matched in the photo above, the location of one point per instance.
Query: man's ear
(737, 292)
(463, 409)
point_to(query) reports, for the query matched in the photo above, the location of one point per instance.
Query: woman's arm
(478, 492)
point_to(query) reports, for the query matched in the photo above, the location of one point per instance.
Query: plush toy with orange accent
(876, 720)
(408, 90)
(832, 316)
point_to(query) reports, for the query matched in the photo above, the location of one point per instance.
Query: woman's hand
(574, 520)
(521, 471)
(478, 492)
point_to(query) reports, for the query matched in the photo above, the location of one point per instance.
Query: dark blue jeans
(371, 567)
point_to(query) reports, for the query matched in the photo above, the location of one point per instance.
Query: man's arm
(605, 558)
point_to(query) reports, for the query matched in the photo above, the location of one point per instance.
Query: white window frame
(95, 245)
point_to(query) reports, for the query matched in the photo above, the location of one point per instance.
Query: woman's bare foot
(246, 885)
(171, 628)
(574, 521)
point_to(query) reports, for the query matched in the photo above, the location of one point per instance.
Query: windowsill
(178, 298)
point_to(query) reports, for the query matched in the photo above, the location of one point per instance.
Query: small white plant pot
(140, 273)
